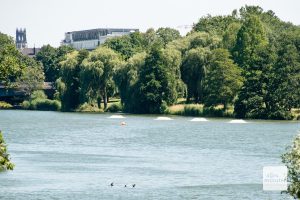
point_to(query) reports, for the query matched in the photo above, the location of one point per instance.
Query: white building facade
(91, 39)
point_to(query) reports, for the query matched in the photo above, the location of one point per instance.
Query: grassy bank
(114, 105)
(4, 105)
(296, 113)
(199, 110)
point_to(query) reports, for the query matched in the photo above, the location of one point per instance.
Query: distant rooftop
(90, 39)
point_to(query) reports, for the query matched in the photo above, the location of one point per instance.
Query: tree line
(248, 60)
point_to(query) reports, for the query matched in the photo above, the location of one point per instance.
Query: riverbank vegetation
(245, 65)
(38, 101)
(5, 105)
(5, 163)
(291, 159)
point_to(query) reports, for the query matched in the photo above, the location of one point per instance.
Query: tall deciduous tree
(156, 85)
(68, 84)
(285, 80)
(223, 79)
(167, 35)
(126, 77)
(99, 68)
(50, 58)
(251, 38)
(193, 72)
(249, 55)
(11, 64)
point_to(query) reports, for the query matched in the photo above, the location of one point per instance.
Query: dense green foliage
(248, 61)
(5, 163)
(17, 70)
(223, 79)
(156, 85)
(115, 107)
(50, 58)
(292, 160)
(11, 64)
(96, 74)
(69, 81)
(38, 101)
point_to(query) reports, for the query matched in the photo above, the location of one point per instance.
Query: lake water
(77, 156)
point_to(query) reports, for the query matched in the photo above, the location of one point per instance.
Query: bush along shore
(245, 64)
(5, 163)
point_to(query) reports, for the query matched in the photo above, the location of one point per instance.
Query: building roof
(30, 51)
(107, 29)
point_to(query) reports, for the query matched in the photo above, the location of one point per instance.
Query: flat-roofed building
(90, 39)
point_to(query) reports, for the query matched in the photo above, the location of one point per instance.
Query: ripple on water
(237, 121)
(116, 117)
(201, 119)
(163, 118)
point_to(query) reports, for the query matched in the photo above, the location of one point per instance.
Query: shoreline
(156, 115)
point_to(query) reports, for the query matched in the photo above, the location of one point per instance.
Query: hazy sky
(46, 21)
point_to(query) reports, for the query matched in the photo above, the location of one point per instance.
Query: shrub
(26, 105)
(46, 104)
(115, 107)
(4, 105)
(86, 107)
(213, 112)
(39, 94)
(163, 107)
(193, 110)
(5, 163)
(281, 115)
(38, 101)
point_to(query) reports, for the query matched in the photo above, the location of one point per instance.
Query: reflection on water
(77, 156)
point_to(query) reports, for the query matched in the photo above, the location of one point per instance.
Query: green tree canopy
(11, 64)
(68, 84)
(99, 67)
(223, 79)
(50, 58)
(251, 38)
(193, 72)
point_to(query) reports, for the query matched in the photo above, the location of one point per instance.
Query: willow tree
(98, 70)
(193, 72)
(126, 77)
(156, 86)
(68, 83)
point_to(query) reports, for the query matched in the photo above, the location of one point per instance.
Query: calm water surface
(77, 156)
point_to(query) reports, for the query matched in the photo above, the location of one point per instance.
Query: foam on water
(163, 118)
(237, 121)
(116, 117)
(201, 119)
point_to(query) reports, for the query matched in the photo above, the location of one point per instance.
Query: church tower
(21, 41)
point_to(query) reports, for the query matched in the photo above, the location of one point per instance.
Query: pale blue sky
(46, 21)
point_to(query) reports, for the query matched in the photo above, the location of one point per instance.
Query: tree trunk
(225, 106)
(105, 98)
(99, 102)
